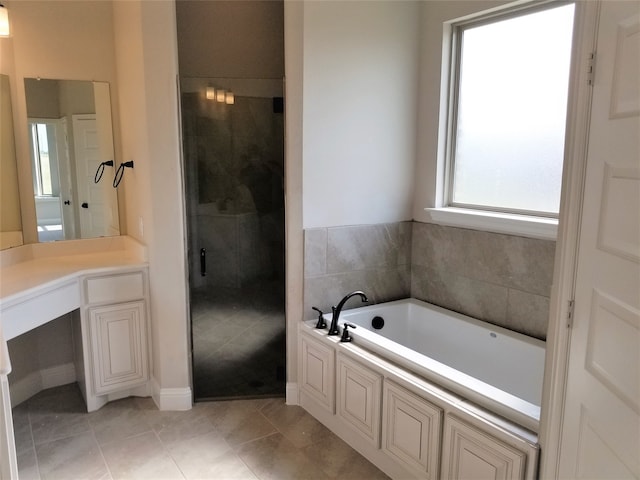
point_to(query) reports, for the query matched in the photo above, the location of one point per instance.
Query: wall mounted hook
(120, 172)
(100, 170)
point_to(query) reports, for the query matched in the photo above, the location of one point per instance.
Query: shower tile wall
(503, 279)
(372, 258)
(234, 172)
(236, 253)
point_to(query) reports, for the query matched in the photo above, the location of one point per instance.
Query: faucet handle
(345, 333)
(321, 323)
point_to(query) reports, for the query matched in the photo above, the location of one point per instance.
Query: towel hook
(100, 170)
(120, 173)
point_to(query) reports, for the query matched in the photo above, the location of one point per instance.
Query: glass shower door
(233, 143)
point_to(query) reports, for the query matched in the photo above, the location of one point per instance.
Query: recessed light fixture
(5, 29)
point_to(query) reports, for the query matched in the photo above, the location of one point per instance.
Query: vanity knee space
(403, 424)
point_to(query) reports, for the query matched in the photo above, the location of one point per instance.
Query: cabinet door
(471, 453)
(318, 371)
(411, 431)
(119, 346)
(359, 392)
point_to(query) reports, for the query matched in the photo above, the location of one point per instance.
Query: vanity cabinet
(115, 336)
(118, 352)
(471, 452)
(103, 284)
(318, 372)
(359, 398)
(412, 429)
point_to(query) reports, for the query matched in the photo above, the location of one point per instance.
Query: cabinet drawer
(115, 288)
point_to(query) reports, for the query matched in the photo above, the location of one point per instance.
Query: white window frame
(527, 224)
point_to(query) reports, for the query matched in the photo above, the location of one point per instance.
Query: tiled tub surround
(502, 279)
(373, 258)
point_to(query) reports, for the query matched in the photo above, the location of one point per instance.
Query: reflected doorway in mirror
(66, 154)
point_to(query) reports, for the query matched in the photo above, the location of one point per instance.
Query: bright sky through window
(512, 103)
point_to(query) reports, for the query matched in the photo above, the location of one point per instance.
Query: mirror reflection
(10, 221)
(70, 136)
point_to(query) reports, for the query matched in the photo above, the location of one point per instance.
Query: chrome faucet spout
(333, 329)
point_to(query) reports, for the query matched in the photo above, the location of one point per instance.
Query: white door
(601, 429)
(66, 181)
(95, 199)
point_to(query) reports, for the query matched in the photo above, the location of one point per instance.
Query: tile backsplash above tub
(372, 258)
(503, 279)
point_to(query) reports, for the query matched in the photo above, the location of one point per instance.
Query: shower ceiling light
(5, 30)
(211, 93)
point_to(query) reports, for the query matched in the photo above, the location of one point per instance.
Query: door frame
(564, 277)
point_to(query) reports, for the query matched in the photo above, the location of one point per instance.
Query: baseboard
(59, 375)
(25, 388)
(292, 397)
(172, 398)
(35, 382)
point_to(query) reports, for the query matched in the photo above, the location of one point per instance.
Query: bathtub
(493, 367)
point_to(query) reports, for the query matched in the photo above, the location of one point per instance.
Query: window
(42, 166)
(42, 134)
(508, 104)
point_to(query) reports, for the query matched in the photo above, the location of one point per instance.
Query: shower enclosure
(233, 144)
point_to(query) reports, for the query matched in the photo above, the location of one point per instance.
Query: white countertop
(33, 267)
(30, 271)
(24, 278)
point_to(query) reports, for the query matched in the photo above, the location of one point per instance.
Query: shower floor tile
(239, 341)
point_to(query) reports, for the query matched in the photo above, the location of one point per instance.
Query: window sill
(521, 225)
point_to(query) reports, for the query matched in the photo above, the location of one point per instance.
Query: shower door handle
(203, 262)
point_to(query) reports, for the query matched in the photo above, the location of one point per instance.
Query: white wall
(293, 48)
(359, 115)
(230, 38)
(147, 62)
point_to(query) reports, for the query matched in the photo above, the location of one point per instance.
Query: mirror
(10, 220)
(70, 142)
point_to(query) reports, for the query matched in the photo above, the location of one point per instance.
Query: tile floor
(132, 439)
(239, 341)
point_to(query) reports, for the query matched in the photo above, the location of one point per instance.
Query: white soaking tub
(491, 366)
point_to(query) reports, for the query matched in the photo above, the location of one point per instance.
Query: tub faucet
(333, 329)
